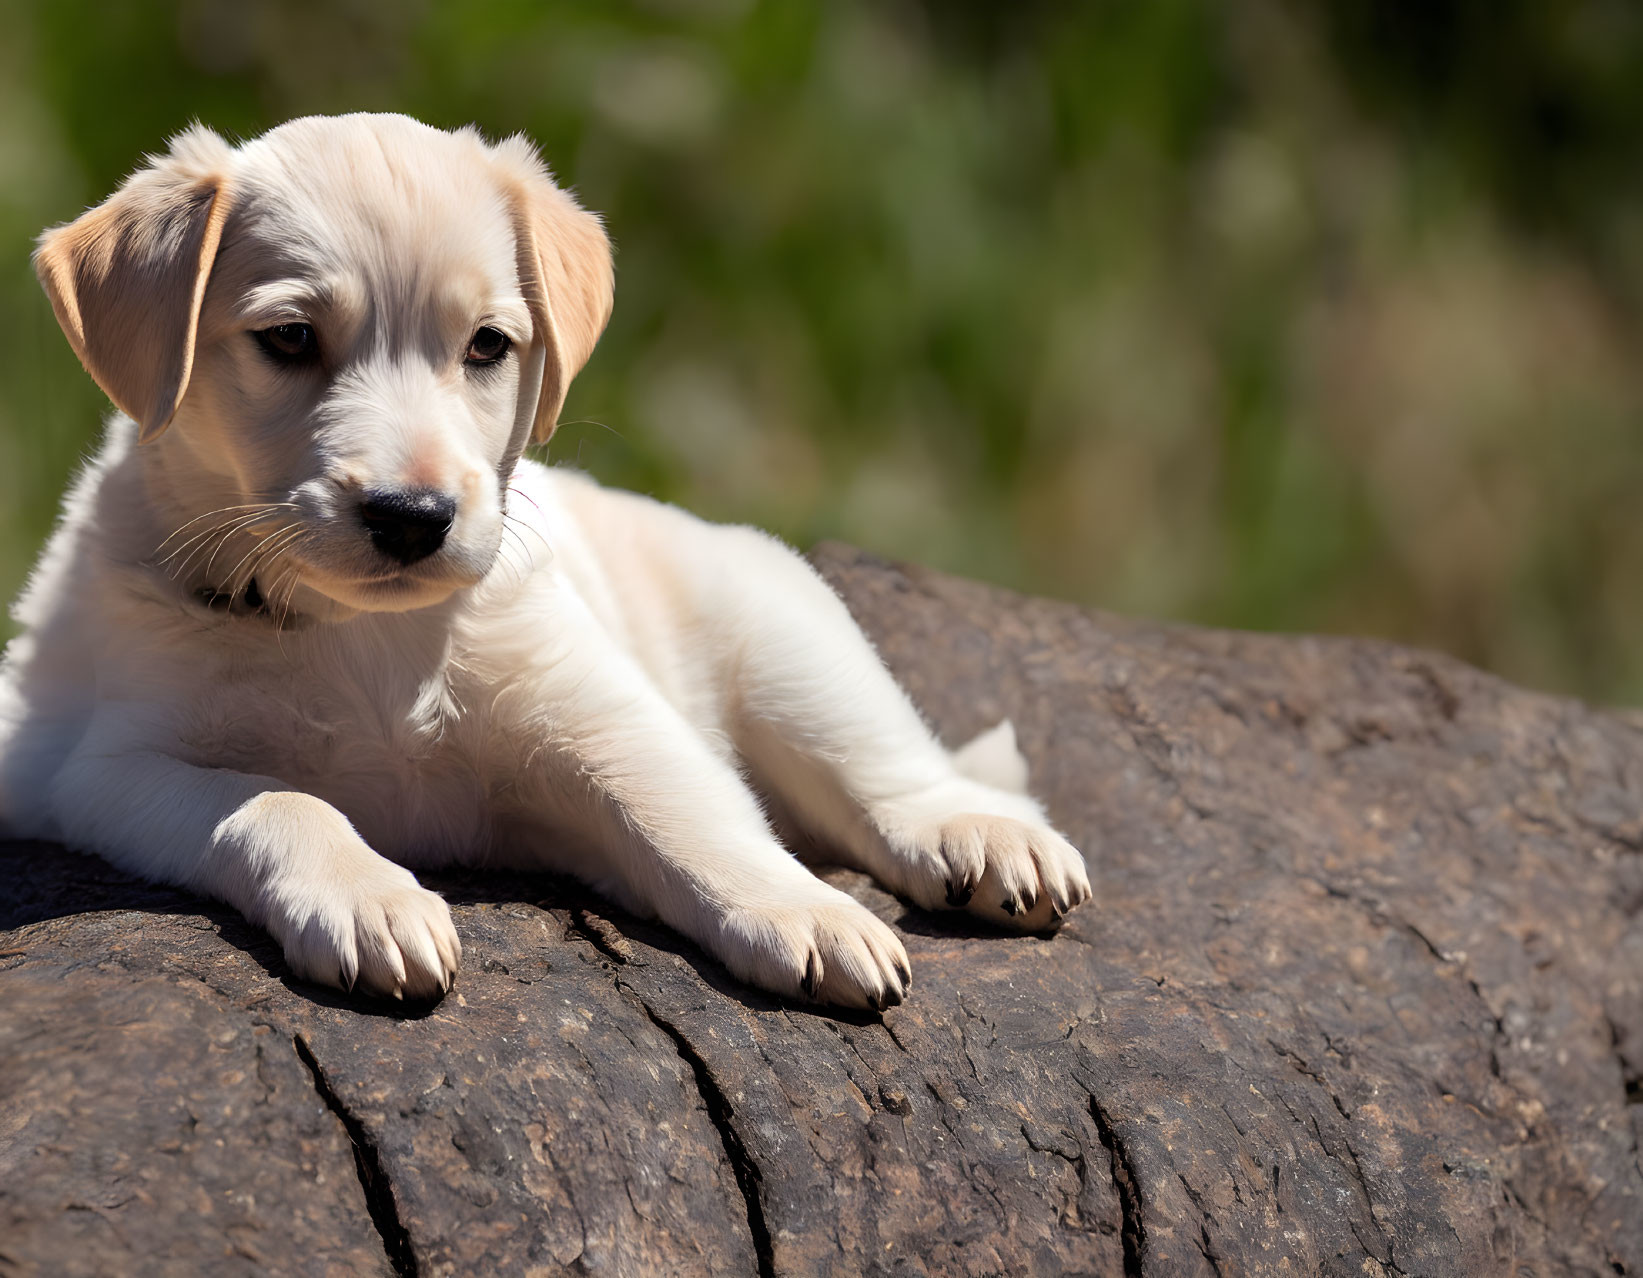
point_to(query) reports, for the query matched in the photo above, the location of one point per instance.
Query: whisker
(274, 587)
(225, 510)
(589, 421)
(294, 572)
(211, 559)
(518, 576)
(522, 525)
(290, 598)
(266, 552)
(511, 525)
(280, 623)
(226, 526)
(270, 561)
(514, 488)
(264, 547)
(275, 551)
(214, 539)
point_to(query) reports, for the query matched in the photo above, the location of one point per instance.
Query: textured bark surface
(1361, 991)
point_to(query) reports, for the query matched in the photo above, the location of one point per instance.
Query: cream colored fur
(222, 683)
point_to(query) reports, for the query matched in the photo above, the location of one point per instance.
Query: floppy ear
(566, 269)
(127, 278)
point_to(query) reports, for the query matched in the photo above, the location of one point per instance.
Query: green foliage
(1264, 314)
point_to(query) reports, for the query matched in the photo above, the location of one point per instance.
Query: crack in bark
(1150, 743)
(1205, 1247)
(719, 1111)
(607, 940)
(1351, 1166)
(1134, 1232)
(850, 1045)
(1382, 917)
(1300, 1066)
(972, 1169)
(1071, 1214)
(1631, 1079)
(895, 1038)
(379, 1191)
(964, 1038)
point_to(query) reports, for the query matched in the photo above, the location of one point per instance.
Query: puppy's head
(358, 321)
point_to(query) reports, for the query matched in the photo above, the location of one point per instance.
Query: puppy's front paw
(379, 931)
(829, 950)
(1012, 869)
(1030, 877)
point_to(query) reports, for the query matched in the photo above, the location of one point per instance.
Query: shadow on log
(1361, 991)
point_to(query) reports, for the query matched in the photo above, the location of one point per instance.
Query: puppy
(310, 621)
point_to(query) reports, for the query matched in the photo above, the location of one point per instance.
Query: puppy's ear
(566, 269)
(127, 278)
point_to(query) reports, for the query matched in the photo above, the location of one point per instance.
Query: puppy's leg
(289, 862)
(680, 834)
(827, 731)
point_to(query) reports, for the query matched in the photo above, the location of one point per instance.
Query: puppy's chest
(412, 761)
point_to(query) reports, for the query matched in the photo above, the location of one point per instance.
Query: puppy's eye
(489, 345)
(289, 343)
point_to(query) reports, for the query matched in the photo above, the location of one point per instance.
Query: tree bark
(1360, 991)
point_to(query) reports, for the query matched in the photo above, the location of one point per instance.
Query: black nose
(407, 524)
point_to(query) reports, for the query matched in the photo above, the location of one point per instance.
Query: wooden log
(1361, 991)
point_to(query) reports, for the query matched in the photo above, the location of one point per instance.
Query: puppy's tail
(994, 759)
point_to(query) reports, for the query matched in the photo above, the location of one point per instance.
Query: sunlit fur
(222, 683)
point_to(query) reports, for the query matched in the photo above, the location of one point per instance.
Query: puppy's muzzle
(407, 524)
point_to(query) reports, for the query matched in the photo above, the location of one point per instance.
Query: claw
(959, 897)
(1010, 906)
(809, 984)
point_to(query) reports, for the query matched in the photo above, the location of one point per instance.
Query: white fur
(579, 680)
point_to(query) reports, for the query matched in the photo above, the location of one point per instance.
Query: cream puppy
(310, 621)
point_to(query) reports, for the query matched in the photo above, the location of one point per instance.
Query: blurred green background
(1291, 316)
